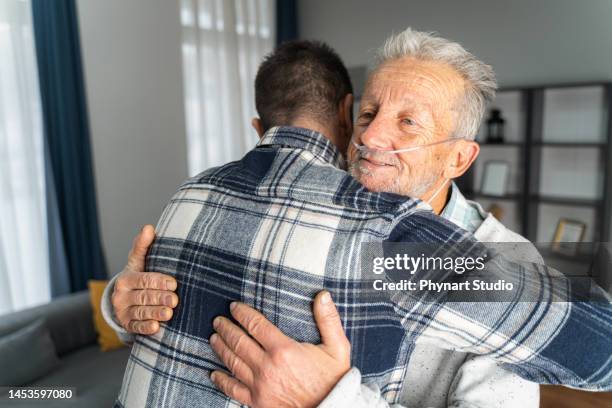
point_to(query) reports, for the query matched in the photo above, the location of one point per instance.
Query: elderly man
(414, 99)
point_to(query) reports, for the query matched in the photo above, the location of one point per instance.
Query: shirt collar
(462, 212)
(301, 138)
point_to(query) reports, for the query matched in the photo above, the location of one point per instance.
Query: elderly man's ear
(346, 113)
(345, 121)
(461, 158)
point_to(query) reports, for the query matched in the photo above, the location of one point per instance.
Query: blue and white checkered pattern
(285, 222)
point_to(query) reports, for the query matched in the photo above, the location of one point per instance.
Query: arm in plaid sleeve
(546, 340)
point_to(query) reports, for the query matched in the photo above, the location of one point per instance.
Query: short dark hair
(300, 78)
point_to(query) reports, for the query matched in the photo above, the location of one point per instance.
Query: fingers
(159, 313)
(131, 280)
(330, 326)
(231, 387)
(239, 341)
(147, 328)
(143, 319)
(151, 297)
(143, 299)
(132, 304)
(233, 363)
(262, 330)
(140, 246)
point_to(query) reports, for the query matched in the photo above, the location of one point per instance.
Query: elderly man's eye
(408, 121)
(365, 117)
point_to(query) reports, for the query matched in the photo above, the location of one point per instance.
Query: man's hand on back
(143, 299)
(269, 368)
(272, 370)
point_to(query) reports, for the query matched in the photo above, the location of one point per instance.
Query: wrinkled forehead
(414, 83)
(390, 96)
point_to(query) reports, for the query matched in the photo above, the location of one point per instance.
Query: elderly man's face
(406, 103)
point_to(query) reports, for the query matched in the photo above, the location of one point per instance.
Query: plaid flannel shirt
(285, 222)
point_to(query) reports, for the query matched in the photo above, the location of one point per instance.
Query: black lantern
(495, 127)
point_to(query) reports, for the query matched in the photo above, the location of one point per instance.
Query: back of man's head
(300, 79)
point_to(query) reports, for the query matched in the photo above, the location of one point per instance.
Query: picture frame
(568, 234)
(495, 178)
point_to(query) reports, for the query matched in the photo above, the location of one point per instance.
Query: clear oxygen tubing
(363, 149)
(429, 201)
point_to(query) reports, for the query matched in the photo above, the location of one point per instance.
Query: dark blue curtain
(58, 261)
(286, 21)
(66, 132)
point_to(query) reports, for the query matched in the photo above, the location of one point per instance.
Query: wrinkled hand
(143, 299)
(272, 370)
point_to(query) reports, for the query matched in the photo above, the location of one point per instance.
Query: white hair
(480, 78)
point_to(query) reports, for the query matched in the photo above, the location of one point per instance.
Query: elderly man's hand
(143, 299)
(272, 370)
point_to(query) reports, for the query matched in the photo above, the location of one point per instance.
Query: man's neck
(317, 126)
(441, 200)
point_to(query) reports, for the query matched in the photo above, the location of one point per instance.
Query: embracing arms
(270, 369)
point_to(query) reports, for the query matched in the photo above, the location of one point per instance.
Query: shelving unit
(545, 126)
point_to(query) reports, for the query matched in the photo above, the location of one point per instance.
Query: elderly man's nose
(376, 136)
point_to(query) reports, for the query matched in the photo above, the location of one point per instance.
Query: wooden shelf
(529, 151)
(506, 197)
(548, 252)
(579, 202)
(508, 144)
(593, 145)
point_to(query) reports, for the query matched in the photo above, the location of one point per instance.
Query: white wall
(526, 41)
(132, 63)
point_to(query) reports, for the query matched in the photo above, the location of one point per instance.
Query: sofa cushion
(107, 338)
(26, 354)
(68, 319)
(95, 375)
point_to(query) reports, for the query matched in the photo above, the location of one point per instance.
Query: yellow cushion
(107, 338)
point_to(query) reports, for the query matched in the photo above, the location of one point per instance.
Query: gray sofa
(95, 375)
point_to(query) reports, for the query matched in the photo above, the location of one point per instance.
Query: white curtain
(224, 42)
(24, 270)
